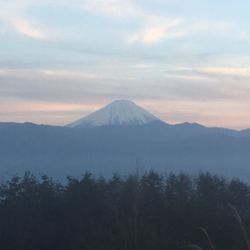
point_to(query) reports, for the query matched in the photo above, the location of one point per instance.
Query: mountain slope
(121, 112)
(62, 151)
(123, 138)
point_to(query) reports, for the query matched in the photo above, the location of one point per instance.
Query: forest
(135, 212)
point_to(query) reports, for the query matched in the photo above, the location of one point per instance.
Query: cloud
(155, 27)
(59, 96)
(209, 84)
(210, 72)
(201, 84)
(13, 15)
(159, 28)
(117, 8)
(151, 28)
(28, 29)
(156, 30)
(59, 85)
(225, 71)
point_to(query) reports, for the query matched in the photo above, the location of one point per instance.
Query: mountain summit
(120, 112)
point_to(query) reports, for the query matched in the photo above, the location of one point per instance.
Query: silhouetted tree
(145, 212)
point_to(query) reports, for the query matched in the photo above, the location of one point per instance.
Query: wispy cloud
(14, 16)
(152, 28)
(29, 29)
(206, 71)
(156, 29)
(225, 71)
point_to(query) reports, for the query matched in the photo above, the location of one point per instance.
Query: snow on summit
(121, 112)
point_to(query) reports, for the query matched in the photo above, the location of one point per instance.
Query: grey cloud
(120, 81)
(40, 87)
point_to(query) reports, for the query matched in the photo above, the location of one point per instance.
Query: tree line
(136, 212)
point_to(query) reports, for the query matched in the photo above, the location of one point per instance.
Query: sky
(184, 61)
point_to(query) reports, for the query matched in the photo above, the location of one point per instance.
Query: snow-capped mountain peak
(120, 112)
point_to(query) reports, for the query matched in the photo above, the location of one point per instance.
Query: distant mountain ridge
(122, 145)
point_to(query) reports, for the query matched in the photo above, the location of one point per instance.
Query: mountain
(122, 138)
(121, 112)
